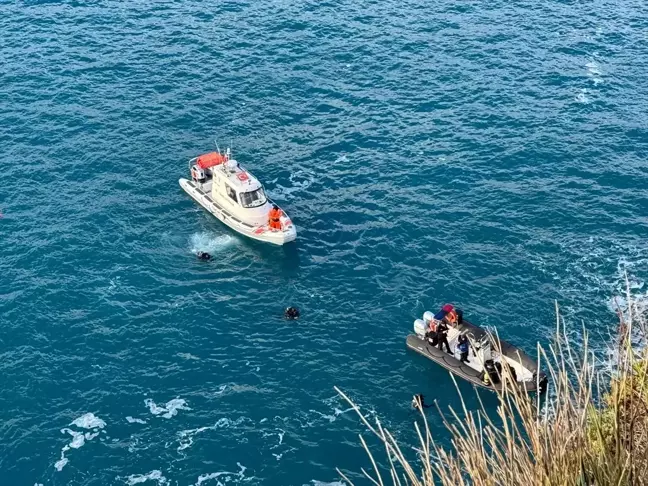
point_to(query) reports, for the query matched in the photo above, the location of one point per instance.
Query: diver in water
(203, 255)
(418, 402)
(291, 313)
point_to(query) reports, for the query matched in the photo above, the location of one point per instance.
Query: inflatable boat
(237, 198)
(486, 356)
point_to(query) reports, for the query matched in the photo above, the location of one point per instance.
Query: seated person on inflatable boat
(492, 373)
(450, 315)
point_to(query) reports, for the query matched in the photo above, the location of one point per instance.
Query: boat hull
(260, 233)
(455, 366)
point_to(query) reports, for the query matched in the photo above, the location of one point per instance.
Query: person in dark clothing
(432, 337)
(513, 373)
(442, 336)
(291, 313)
(490, 368)
(203, 255)
(418, 402)
(463, 347)
(498, 371)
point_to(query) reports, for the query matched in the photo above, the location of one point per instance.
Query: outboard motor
(419, 328)
(427, 317)
(197, 174)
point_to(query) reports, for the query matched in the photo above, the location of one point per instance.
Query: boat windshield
(253, 199)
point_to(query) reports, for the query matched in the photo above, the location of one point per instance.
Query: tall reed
(592, 428)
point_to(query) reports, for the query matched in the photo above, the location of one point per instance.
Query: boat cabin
(238, 185)
(232, 187)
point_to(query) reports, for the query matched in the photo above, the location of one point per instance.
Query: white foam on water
(154, 475)
(62, 462)
(132, 420)
(279, 433)
(89, 436)
(210, 242)
(619, 305)
(86, 421)
(594, 72)
(77, 438)
(113, 283)
(336, 413)
(300, 181)
(185, 437)
(206, 477)
(136, 443)
(89, 421)
(596, 270)
(582, 97)
(228, 475)
(170, 408)
(593, 68)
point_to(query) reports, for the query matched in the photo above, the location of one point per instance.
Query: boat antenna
(217, 147)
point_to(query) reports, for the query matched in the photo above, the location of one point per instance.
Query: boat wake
(210, 242)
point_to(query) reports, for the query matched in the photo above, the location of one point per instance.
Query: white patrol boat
(229, 192)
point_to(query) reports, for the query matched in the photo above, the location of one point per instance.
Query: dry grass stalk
(574, 442)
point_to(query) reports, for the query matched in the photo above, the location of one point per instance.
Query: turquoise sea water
(482, 153)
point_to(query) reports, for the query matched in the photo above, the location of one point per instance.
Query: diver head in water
(291, 313)
(203, 255)
(418, 402)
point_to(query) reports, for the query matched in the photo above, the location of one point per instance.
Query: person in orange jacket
(275, 217)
